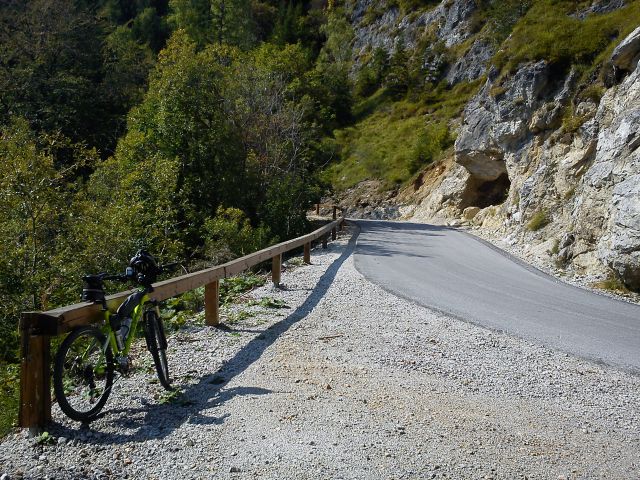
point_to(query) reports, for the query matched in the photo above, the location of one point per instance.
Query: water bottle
(122, 332)
(124, 328)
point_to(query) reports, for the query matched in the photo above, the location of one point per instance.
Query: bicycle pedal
(123, 364)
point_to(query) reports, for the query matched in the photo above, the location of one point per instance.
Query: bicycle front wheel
(157, 345)
(83, 373)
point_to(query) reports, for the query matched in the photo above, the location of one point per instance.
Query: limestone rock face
(529, 145)
(449, 21)
(471, 65)
(626, 55)
(587, 181)
(497, 121)
(614, 178)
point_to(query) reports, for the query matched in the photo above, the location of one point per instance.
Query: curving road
(449, 270)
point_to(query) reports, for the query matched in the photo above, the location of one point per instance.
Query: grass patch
(392, 140)
(378, 147)
(539, 220)
(549, 32)
(268, 302)
(174, 397)
(238, 316)
(612, 284)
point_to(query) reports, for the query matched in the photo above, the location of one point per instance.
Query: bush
(9, 397)
(539, 220)
(230, 235)
(430, 143)
(366, 82)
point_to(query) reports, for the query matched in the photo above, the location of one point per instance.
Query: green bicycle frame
(135, 319)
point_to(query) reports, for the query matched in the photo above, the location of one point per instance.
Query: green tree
(49, 72)
(398, 79)
(194, 17)
(230, 234)
(329, 83)
(232, 22)
(34, 199)
(182, 120)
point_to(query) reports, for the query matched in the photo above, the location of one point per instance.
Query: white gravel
(350, 382)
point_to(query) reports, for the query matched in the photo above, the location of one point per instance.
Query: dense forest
(189, 127)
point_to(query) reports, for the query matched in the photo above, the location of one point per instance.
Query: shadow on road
(379, 248)
(160, 420)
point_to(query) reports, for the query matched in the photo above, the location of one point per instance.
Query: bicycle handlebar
(130, 275)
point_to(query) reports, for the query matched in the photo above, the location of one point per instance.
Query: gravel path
(350, 382)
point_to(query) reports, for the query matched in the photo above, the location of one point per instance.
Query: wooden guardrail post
(276, 269)
(307, 253)
(334, 231)
(324, 241)
(317, 209)
(35, 389)
(211, 303)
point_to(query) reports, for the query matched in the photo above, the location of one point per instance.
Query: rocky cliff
(540, 160)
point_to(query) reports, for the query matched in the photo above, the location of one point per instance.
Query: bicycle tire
(83, 359)
(157, 345)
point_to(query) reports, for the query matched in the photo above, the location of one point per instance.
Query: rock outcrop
(448, 23)
(614, 178)
(535, 161)
(586, 182)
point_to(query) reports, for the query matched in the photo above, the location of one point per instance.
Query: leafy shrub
(366, 82)
(593, 92)
(430, 143)
(231, 288)
(501, 16)
(9, 396)
(613, 284)
(572, 122)
(230, 235)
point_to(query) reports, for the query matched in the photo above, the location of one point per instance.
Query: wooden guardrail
(37, 328)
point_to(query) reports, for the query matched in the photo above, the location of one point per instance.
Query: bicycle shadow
(157, 421)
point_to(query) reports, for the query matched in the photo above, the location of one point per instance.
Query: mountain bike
(89, 356)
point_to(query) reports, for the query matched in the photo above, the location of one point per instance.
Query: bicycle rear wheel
(83, 373)
(157, 345)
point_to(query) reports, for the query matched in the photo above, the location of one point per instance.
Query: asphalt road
(451, 271)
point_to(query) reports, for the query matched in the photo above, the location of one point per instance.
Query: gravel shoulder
(350, 382)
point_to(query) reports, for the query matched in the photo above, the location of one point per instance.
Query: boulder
(470, 213)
